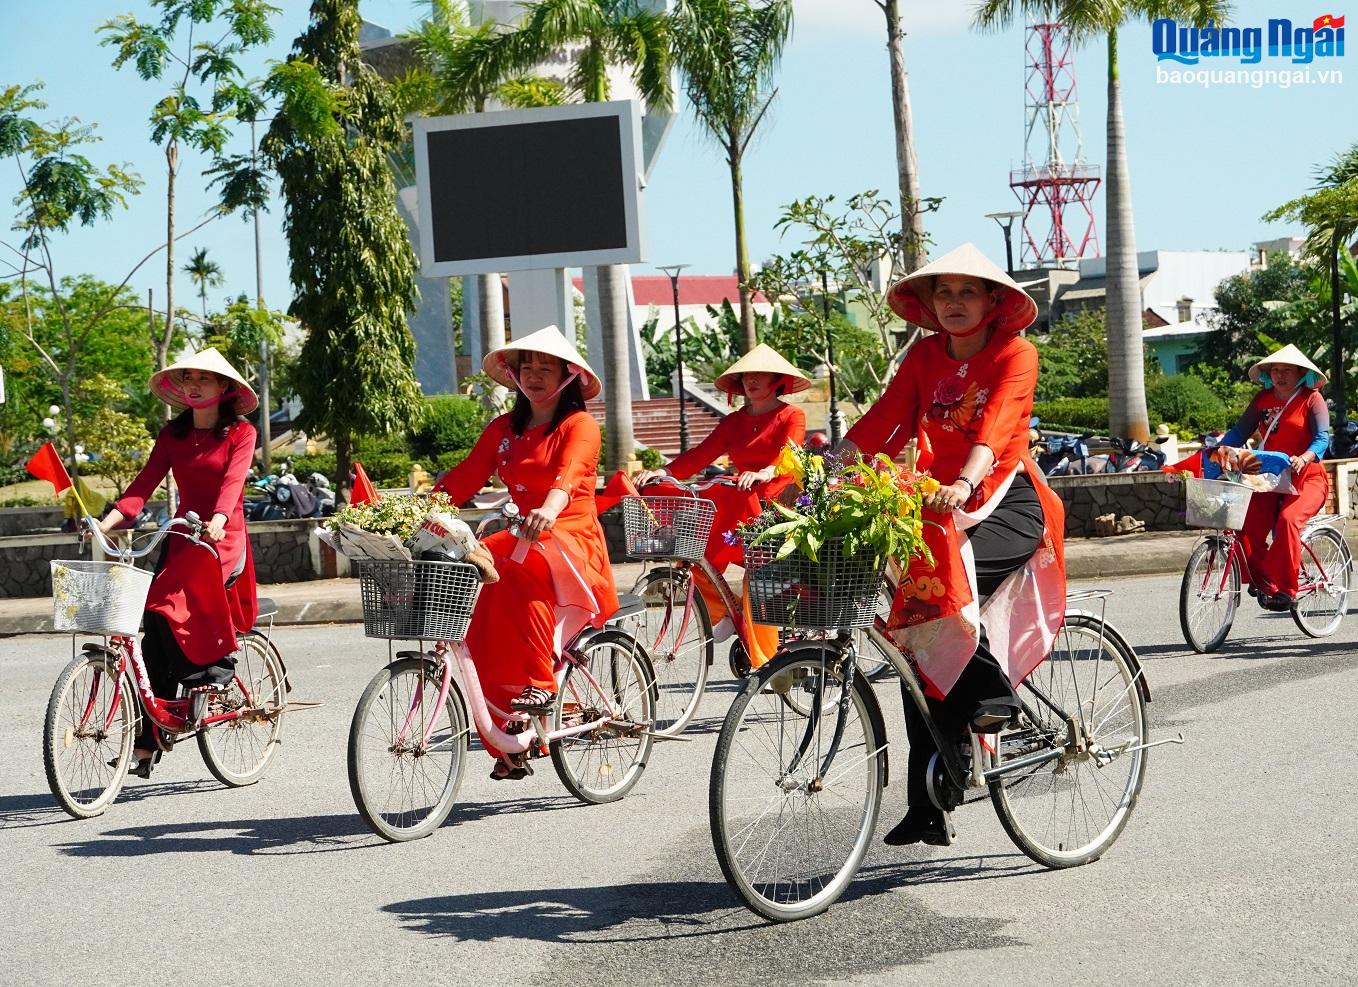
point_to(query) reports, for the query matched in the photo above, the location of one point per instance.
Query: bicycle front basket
(838, 592)
(428, 601)
(1215, 503)
(667, 527)
(98, 597)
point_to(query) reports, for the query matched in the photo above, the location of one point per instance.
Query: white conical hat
(912, 297)
(502, 364)
(164, 385)
(762, 359)
(1289, 354)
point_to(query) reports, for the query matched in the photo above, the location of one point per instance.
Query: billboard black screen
(524, 189)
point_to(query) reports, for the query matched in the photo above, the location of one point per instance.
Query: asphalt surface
(1237, 865)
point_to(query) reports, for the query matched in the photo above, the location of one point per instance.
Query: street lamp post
(673, 271)
(1006, 221)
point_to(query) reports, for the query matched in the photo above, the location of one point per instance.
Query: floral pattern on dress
(956, 405)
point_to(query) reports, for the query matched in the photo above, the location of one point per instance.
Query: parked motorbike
(1063, 454)
(1131, 456)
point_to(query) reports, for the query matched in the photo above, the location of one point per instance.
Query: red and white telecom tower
(1054, 185)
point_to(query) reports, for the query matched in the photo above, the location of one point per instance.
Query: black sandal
(507, 770)
(533, 700)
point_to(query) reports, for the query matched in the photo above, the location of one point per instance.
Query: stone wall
(16, 521)
(1154, 498)
(24, 569)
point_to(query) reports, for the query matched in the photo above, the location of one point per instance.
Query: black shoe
(921, 825)
(1277, 602)
(989, 717)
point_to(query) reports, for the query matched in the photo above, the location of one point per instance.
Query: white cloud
(842, 18)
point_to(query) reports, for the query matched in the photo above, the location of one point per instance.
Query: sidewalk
(326, 601)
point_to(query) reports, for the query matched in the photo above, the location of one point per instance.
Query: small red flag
(1327, 20)
(364, 492)
(46, 465)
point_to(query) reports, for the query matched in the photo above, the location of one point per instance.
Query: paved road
(1237, 867)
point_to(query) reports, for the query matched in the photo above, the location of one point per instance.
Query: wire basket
(105, 598)
(428, 601)
(667, 527)
(838, 592)
(1215, 503)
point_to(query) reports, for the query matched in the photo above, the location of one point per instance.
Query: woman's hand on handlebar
(948, 498)
(538, 521)
(751, 478)
(650, 476)
(112, 520)
(214, 529)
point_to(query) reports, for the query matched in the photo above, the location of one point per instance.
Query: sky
(1206, 162)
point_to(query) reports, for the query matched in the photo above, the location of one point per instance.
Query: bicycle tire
(730, 806)
(1072, 769)
(587, 762)
(680, 665)
(1205, 629)
(240, 740)
(399, 823)
(1319, 613)
(88, 709)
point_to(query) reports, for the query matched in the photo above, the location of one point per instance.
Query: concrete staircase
(655, 423)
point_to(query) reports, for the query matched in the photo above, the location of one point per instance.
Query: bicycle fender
(1129, 652)
(870, 700)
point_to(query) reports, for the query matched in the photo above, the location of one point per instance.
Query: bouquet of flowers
(870, 506)
(398, 515)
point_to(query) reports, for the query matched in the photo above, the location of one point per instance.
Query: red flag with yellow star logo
(1327, 20)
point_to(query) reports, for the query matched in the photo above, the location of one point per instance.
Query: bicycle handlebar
(190, 520)
(694, 486)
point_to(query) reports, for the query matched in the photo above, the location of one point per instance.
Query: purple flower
(730, 537)
(804, 500)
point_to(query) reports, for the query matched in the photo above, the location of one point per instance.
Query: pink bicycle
(95, 705)
(410, 734)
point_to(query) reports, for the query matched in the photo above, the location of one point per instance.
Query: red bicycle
(93, 712)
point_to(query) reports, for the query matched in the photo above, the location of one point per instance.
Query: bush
(27, 502)
(447, 460)
(451, 422)
(1073, 414)
(304, 466)
(1187, 404)
(649, 458)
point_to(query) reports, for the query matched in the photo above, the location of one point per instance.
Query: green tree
(205, 274)
(243, 333)
(608, 33)
(1086, 19)
(208, 89)
(351, 264)
(727, 52)
(116, 441)
(1261, 299)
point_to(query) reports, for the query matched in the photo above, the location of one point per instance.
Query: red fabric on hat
(47, 465)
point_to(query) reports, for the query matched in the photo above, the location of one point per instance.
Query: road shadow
(26, 811)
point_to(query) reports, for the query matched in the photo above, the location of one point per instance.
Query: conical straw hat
(164, 384)
(912, 297)
(1289, 354)
(502, 364)
(762, 359)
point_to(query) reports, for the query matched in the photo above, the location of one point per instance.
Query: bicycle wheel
(679, 644)
(237, 751)
(789, 830)
(403, 788)
(1069, 810)
(1209, 594)
(91, 721)
(1327, 566)
(602, 764)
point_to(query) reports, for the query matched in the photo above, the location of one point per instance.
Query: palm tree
(608, 32)
(727, 52)
(1085, 19)
(204, 273)
(907, 166)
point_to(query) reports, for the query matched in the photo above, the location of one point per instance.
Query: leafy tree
(352, 266)
(207, 89)
(243, 332)
(1254, 301)
(205, 274)
(1086, 19)
(727, 52)
(116, 441)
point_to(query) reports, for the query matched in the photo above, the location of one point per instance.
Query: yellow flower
(818, 464)
(928, 485)
(789, 464)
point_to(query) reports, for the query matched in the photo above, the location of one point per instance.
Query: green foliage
(117, 442)
(1188, 404)
(1073, 358)
(649, 458)
(708, 350)
(352, 265)
(26, 501)
(451, 422)
(1073, 414)
(445, 461)
(204, 273)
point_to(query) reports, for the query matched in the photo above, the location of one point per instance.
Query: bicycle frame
(1235, 551)
(482, 710)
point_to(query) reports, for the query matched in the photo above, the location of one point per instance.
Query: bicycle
(794, 798)
(1209, 593)
(676, 628)
(409, 738)
(93, 712)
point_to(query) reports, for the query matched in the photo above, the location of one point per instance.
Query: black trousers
(1002, 544)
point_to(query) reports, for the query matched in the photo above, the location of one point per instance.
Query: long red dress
(189, 588)
(949, 406)
(565, 582)
(1274, 569)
